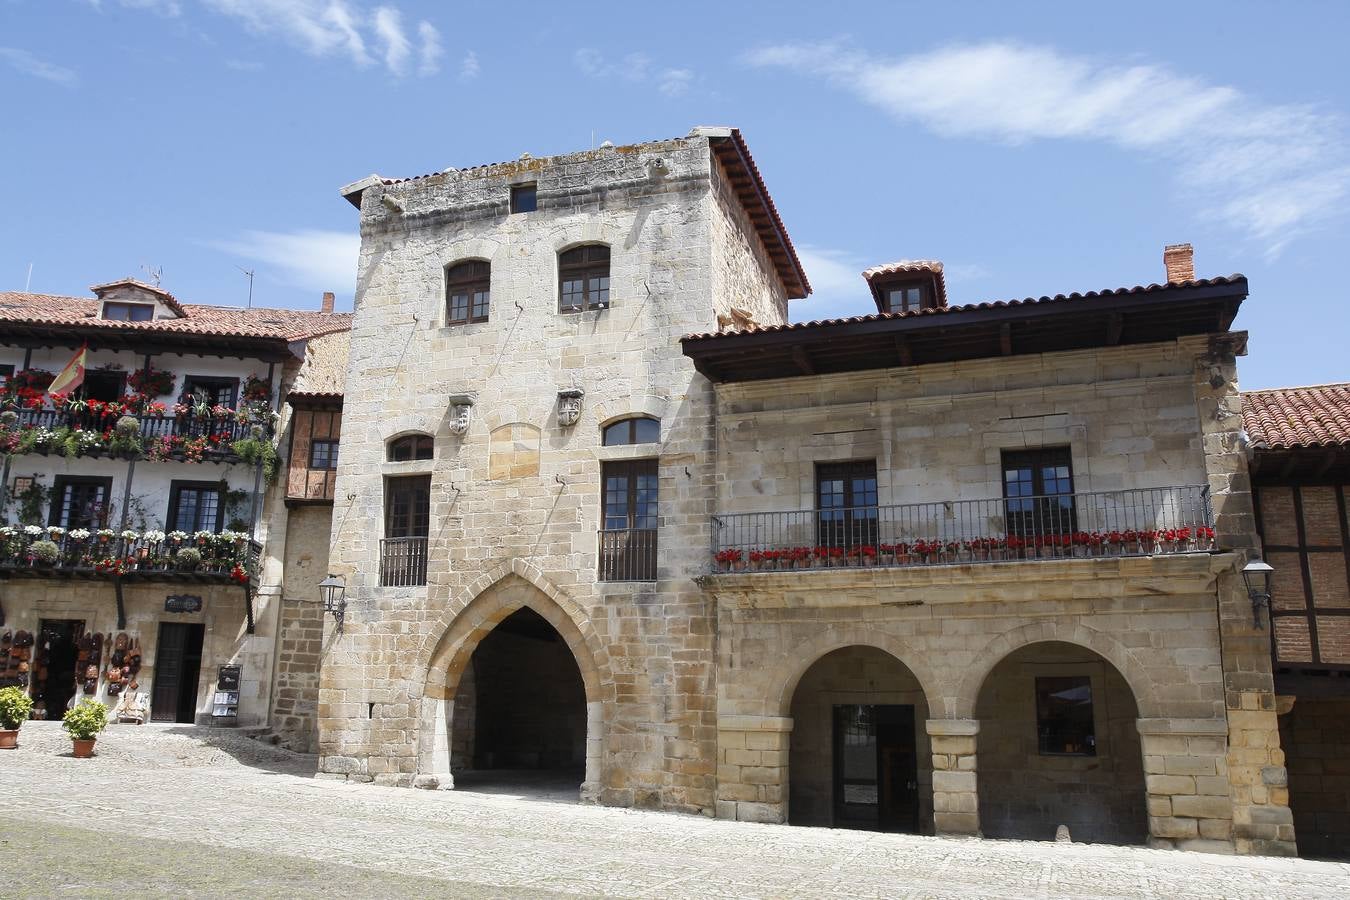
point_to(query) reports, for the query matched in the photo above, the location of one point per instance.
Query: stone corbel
(461, 405)
(569, 406)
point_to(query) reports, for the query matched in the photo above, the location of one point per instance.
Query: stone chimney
(327, 305)
(1179, 259)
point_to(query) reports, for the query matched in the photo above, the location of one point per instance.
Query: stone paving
(199, 812)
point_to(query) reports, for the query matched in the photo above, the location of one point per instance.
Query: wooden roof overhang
(1310, 465)
(1075, 322)
(144, 341)
(315, 400)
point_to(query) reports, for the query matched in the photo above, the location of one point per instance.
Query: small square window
(323, 455)
(1064, 716)
(523, 198)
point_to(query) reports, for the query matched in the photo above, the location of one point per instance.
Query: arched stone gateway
(1059, 745)
(541, 700)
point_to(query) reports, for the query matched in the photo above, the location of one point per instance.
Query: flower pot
(83, 749)
(9, 739)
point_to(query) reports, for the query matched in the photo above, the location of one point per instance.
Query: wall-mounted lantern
(333, 590)
(1256, 576)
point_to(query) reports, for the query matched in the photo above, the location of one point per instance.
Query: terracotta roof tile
(1297, 417)
(971, 307)
(17, 308)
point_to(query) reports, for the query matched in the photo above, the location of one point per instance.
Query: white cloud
(27, 64)
(310, 259)
(429, 56)
(397, 47)
(1274, 170)
(635, 67)
(468, 67)
(244, 65)
(674, 82)
(832, 273)
(169, 8)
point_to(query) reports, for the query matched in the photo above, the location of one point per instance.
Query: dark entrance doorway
(876, 777)
(54, 678)
(178, 663)
(520, 713)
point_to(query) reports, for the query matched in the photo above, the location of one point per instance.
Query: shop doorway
(876, 768)
(178, 665)
(54, 675)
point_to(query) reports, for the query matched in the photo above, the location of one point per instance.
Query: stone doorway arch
(462, 630)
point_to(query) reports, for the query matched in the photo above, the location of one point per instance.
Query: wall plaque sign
(182, 603)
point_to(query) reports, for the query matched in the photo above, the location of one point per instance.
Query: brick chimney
(1179, 259)
(328, 298)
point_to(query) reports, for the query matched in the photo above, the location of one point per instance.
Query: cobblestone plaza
(182, 811)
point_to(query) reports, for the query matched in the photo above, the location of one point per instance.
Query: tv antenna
(155, 274)
(249, 273)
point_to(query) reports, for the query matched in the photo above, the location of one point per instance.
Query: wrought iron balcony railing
(403, 562)
(227, 557)
(628, 554)
(213, 434)
(1138, 522)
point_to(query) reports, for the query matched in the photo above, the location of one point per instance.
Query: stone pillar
(752, 768)
(1186, 776)
(1262, 820)
(956, 802)
(595, 750)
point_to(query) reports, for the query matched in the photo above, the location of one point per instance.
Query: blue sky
(1034, 149)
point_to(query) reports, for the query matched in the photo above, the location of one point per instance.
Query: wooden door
(178, 659)
(875, 768)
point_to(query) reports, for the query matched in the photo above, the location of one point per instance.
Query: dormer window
(128, 312)
(910, 297)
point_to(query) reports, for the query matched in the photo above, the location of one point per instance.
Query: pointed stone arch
(474, 613)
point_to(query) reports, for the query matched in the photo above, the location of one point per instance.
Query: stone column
(1186, 776)
(956, 802)
(1262, 820)
(752, 768)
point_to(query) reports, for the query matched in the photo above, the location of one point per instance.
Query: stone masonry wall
(528, 535)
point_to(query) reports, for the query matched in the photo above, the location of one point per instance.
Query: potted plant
(44, 552)
(83, 723)
(188, 558)
(15, 708)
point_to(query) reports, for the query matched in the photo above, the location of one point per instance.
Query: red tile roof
(931, 267)
(1298, 417)
(164, 296)
(18, 308)
(956, 311)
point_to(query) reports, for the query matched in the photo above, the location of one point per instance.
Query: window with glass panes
(195, 506)
(1038, 491)
(637, 430)
(1064, 716)
(128, 312)
(407, 507)
(410, 447)
(846, 503)
(583, 278)
(208, 389)
(323, 455)
(80, 502)
(905, 298)
(468, 292)
(628, 539)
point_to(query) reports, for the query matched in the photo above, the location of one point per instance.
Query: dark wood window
(410, 447)
(907, 298)
(407, 507)
(80, 502)
(583, 278)
(407, 524)
(846, 503)
(104, 384)
(323, 454)
(524, 198)
(1064, 715)
(1038, 487)
(195, 506)
(129, 312)
(637, 430)
(211, 389)
(628, 538)
(468, 292)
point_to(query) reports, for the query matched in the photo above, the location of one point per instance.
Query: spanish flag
(72, 376)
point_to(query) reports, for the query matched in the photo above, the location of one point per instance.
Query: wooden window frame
(628, 551)
(472, 280)
(632, 436)
(584, 264)
(120, 375)
(59, 485)
(213, 383)
(417, 443)
(854, 523)
(519, 193)
(1048, 517)
(176, 489)
(128, 307)
(393, 486)
(1042, 688)
(332, 445)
